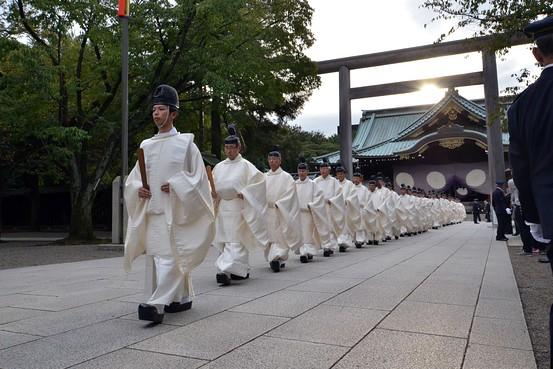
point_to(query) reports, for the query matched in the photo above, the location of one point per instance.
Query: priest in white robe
(361, 231)
(241, 206)
(314, 226)
(393, 208)
(170, 209)
(353, 213)
(380, 201)
(405, 211)
(371, 216)
(283, 213)
(335, 205)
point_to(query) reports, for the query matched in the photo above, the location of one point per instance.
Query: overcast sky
(353, 27)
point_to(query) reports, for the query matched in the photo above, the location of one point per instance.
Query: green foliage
(60, 80)
(502, 18)
(489, 16)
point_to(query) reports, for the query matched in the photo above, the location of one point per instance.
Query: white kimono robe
(361, 232)
(353, 213)
(380, 199)
(371, 218)
(393, 207)
(240, 224)
(335, 206)
(283, 215)
(436, 213)
(314, 226)
(406, 213)
(176, 228)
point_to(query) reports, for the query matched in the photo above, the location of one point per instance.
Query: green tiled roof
(382, 134)
(451, 95)
(381, 128)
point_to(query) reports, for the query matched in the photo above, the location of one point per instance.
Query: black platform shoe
(309, 257)
(149, 313)
(326, 253)
(275, 266)
(235, 277)
(223, 279)
(303, 259)
(397, 237)
(343, 248)
(375, 243)
(177, 307)
(359, 245)
(370, 242)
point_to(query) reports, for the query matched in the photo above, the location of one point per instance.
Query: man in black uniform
(531, 138)
(499, 203)
(476, 209)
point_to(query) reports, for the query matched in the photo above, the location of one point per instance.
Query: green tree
(489, 16)
(233, 59)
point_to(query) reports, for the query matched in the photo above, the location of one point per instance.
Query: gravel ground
(535, 284)
(22, 254)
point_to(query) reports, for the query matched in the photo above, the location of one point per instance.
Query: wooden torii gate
(488, 77)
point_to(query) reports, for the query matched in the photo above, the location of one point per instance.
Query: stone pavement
(444, 299)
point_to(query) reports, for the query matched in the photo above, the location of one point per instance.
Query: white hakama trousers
(333, 236)
(171, 284)
(307, 229)
(277, 249)
(345, 239)
(361, 236)
(234, 259)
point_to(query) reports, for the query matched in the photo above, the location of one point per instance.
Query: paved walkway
(444, 299)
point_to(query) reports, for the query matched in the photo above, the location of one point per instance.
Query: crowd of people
(178, 208)
(312, 217)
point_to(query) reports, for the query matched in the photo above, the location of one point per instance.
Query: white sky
(353, 27)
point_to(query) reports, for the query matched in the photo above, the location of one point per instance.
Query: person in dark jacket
(531, 135)
(476, 210)
(499, 203)
(487, 211)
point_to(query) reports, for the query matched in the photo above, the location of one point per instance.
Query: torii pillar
(345, 121)
(496, 161)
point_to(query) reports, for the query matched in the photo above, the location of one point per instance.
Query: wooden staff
(212, 185)
(210, 178)
(142, 166)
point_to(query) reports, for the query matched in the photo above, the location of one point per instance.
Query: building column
(346, 138)
(496, 162)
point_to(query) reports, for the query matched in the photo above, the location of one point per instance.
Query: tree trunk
(81, 227)
(201, 126)
(31, 181)
(215, 128)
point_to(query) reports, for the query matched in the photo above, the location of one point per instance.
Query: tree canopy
(488, 16)
(240, 61)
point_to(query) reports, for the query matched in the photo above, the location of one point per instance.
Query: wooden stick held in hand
(142, 166)
(210, 178)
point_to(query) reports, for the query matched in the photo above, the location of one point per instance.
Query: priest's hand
(214, 194)
(240, 196)
(165, 188)
(144, 193)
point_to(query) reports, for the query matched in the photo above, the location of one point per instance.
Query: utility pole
(123, 14)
